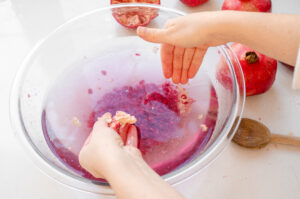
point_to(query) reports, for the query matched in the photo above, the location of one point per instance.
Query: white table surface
(272, 172)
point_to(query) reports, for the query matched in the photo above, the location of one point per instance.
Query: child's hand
(181, 64)
(104, 149)
(184, 43)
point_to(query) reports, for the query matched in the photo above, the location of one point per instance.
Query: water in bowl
(132, 83)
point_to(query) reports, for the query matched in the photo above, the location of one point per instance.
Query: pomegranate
(157, 109)
(123, 124)
(193, 3)
(259, 70)
(248, 5)
(132, 17)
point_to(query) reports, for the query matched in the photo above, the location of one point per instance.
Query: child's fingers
(197, 61)
(103, 120)
(99, 125)
(177, 64)
(124, 132)
(187, 60)
(166, 54)
(153, 35)
(87, 141)
(132, 136)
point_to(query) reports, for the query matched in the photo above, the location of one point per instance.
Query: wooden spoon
(253, 134)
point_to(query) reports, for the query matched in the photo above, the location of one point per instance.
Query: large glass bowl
(94, 33)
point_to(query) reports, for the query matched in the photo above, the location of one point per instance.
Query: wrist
(106, 161)
(119, 162)
(223, 28)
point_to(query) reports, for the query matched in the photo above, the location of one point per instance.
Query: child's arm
(104, 155)
(276, 35)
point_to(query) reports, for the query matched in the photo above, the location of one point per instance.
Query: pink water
(167, 138)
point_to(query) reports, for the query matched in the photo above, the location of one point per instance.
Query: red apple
(259, 70)
(193, 3)
(248, 5)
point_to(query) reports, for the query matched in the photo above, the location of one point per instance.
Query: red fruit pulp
(248, 5)
(193, 3)
(148, 103)
(163, 146)
(134, 16)
(259, 70)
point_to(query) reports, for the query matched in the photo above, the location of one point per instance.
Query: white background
(272, 172)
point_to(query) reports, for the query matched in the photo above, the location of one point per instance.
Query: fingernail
(132, 137)
(191, 75)
(141, 30)
(175, 80)
(183, 81)
(167, 76)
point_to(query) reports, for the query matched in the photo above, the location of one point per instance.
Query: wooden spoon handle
(283, 139)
